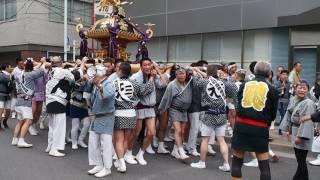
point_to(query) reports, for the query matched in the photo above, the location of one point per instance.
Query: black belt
(103, 114)
(178, 109)
(141, 106)
(213, 111)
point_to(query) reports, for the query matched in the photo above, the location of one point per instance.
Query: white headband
(231, 66)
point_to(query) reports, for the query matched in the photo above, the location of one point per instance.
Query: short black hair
(145, 59)
(296, 63)
(284, 71)
(251, 66)
(4, 67)
(194, 64)
(109, 60)
(125, 69)
(202, 62)
(18, 59)
(117, 61)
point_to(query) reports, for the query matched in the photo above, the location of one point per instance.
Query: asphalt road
(35, 164)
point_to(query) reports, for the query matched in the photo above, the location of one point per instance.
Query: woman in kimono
(177, 98)
(127, 97)
(302, 132)
(102, 103)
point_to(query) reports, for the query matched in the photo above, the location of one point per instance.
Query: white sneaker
(95, 170)
(14, 141)
(199, 165)
(195, 153)
(175, 153)
(56, 153)
(122, 166)
(150, 150)
(129, 159)
(225, 168)
(210, 150)
(252, 163)
(141, 160)
(162, 150)
(74, 146)
(48, 148)
(104, 172)
(22, 144)
(315, 162)
(33, 131)
(82, 144)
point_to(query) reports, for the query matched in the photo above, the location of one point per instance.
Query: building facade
(34, 28)
(279, 31)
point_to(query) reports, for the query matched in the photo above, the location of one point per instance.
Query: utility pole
(74, 50)
(65, 30)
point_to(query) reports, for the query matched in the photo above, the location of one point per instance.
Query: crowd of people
(119, 105)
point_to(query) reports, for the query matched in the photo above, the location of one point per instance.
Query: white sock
(141, 152)
(181, 150)
(129, 152)
(202, 162)
(122, 161)
(161, 144)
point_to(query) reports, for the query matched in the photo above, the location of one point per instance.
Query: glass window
(185, 49)
(83, 10)
(230, 47)
(56, 10)
(257, 46)
(211, 47)
(2, 10)
(11, 9)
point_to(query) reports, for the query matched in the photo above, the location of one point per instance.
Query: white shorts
(5, 104)
(24, 112)
(207, 131)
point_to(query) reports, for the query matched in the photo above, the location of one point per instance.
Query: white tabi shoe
(182, 153)
(82, 144)
(14, 141)
(315, 162)
(162, 150)
(150, 150)
(210, 150)
(74, 146)
(141, 159)
(33, 131)
(225, 168)
(252, 163)
(129, 158)
(23, 144)
(95, 170)
(56, 153)
(48, 149)
(199, 165)
(195, 153)
(122, 166)
(104, 172)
